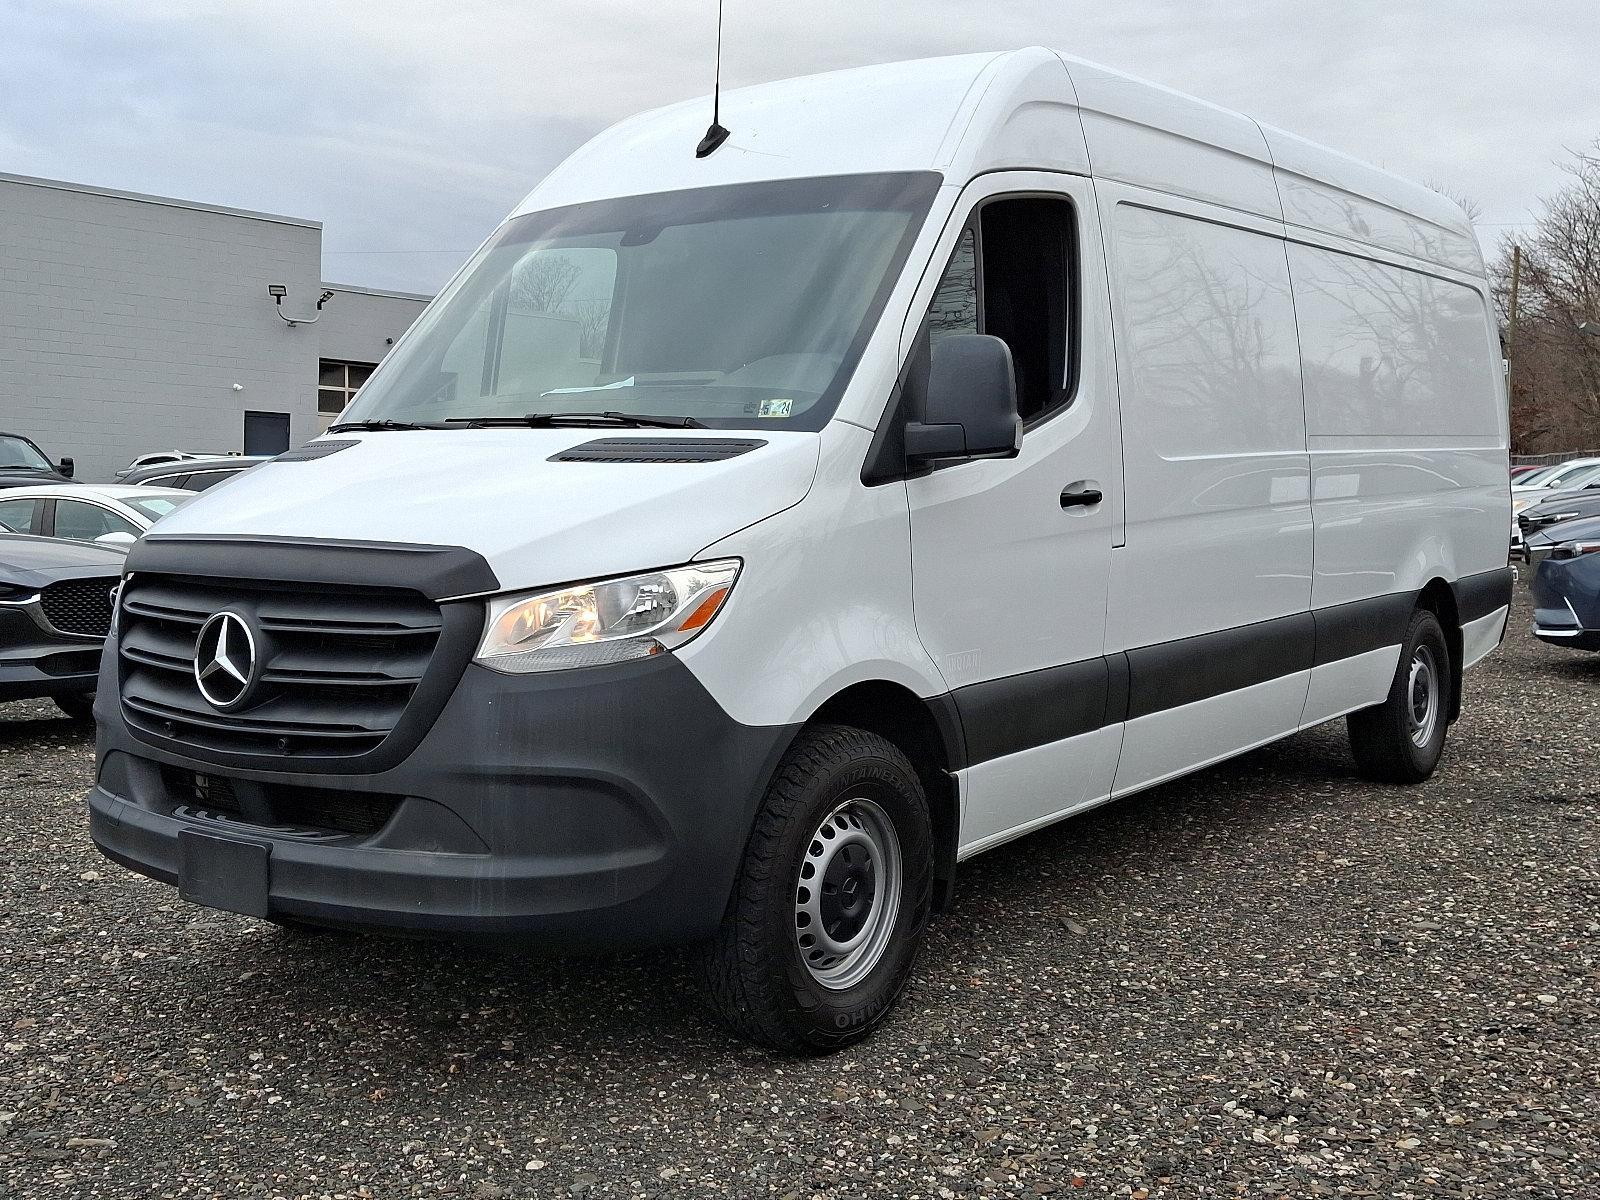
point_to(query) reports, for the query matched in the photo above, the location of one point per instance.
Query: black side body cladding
(1346, 630)
(1019, 712)
(1198, 668)
(1479, 595)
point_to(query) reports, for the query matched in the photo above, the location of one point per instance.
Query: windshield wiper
(542, 420)
(379, 426)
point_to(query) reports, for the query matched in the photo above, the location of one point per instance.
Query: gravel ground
(1271, 979)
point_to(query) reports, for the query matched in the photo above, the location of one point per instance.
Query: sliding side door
(1210, 594)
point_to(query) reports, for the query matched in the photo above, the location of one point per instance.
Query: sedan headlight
(613, 620)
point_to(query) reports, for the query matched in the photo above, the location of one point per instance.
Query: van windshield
(745, 305)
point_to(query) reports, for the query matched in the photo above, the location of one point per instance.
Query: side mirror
(969, 408)
(65, 467)
(117, 541)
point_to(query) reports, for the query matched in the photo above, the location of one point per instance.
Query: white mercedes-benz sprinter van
(743, 539)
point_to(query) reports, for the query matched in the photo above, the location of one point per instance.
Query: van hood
(498, 492)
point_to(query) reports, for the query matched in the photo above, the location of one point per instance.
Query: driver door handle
(1079, 496)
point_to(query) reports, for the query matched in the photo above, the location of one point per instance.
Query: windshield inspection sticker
(776, 408)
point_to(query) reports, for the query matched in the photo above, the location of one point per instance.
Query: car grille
(81, 606)
(338, 665)
(276, 805)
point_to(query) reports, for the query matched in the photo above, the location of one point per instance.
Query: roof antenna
(716, 135)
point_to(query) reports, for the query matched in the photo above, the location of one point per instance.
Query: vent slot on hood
(658, 450)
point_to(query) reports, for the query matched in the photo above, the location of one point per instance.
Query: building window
(337, 386)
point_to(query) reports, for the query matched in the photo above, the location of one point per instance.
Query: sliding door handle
(1080, 496)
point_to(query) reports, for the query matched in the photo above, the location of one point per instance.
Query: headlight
(613, 620)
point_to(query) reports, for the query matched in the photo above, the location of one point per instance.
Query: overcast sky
(410, 128)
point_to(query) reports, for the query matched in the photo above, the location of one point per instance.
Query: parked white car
(112, 514)
(157, 458)
(1574, 476)
(1568, 475)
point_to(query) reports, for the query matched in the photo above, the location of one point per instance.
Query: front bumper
(1569, 639)
(37, 662)
(586, 808)
(1566, 602)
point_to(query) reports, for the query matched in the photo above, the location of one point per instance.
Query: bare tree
(594, 322)
(1556, 396)
(1466, 203)
(542, 284)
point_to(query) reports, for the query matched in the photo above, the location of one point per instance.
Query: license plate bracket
(224, 873)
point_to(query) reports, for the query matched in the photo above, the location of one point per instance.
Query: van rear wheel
(1402, 739)
(832, 898)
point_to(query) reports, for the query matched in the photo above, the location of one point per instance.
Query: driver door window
(1011, 276)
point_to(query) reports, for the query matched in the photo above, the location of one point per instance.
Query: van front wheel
(832, 898)
(1402, 739)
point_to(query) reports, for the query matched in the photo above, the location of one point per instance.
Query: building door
(266, 432)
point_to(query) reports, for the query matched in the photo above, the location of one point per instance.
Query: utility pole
(1511, 327)
(1516, 287)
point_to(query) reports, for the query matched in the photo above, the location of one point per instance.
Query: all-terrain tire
(844, 806)
(1402, 739)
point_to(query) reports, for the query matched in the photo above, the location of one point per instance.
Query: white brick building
(132, 323)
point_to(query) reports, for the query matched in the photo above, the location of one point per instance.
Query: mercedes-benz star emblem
(225, 661)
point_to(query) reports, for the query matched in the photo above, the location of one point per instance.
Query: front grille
(81, 606)
(338, 665)
(282, 806)
(210, 792)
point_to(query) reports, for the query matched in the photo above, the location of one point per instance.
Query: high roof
(1022, 109)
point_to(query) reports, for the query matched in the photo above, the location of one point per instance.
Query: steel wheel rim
(847, 896)
(1422, 696)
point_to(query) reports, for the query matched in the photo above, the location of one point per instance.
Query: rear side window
(201, 480)
(84, 522)
(1012, 276)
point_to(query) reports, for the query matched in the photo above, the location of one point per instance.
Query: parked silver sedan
(111, 514)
